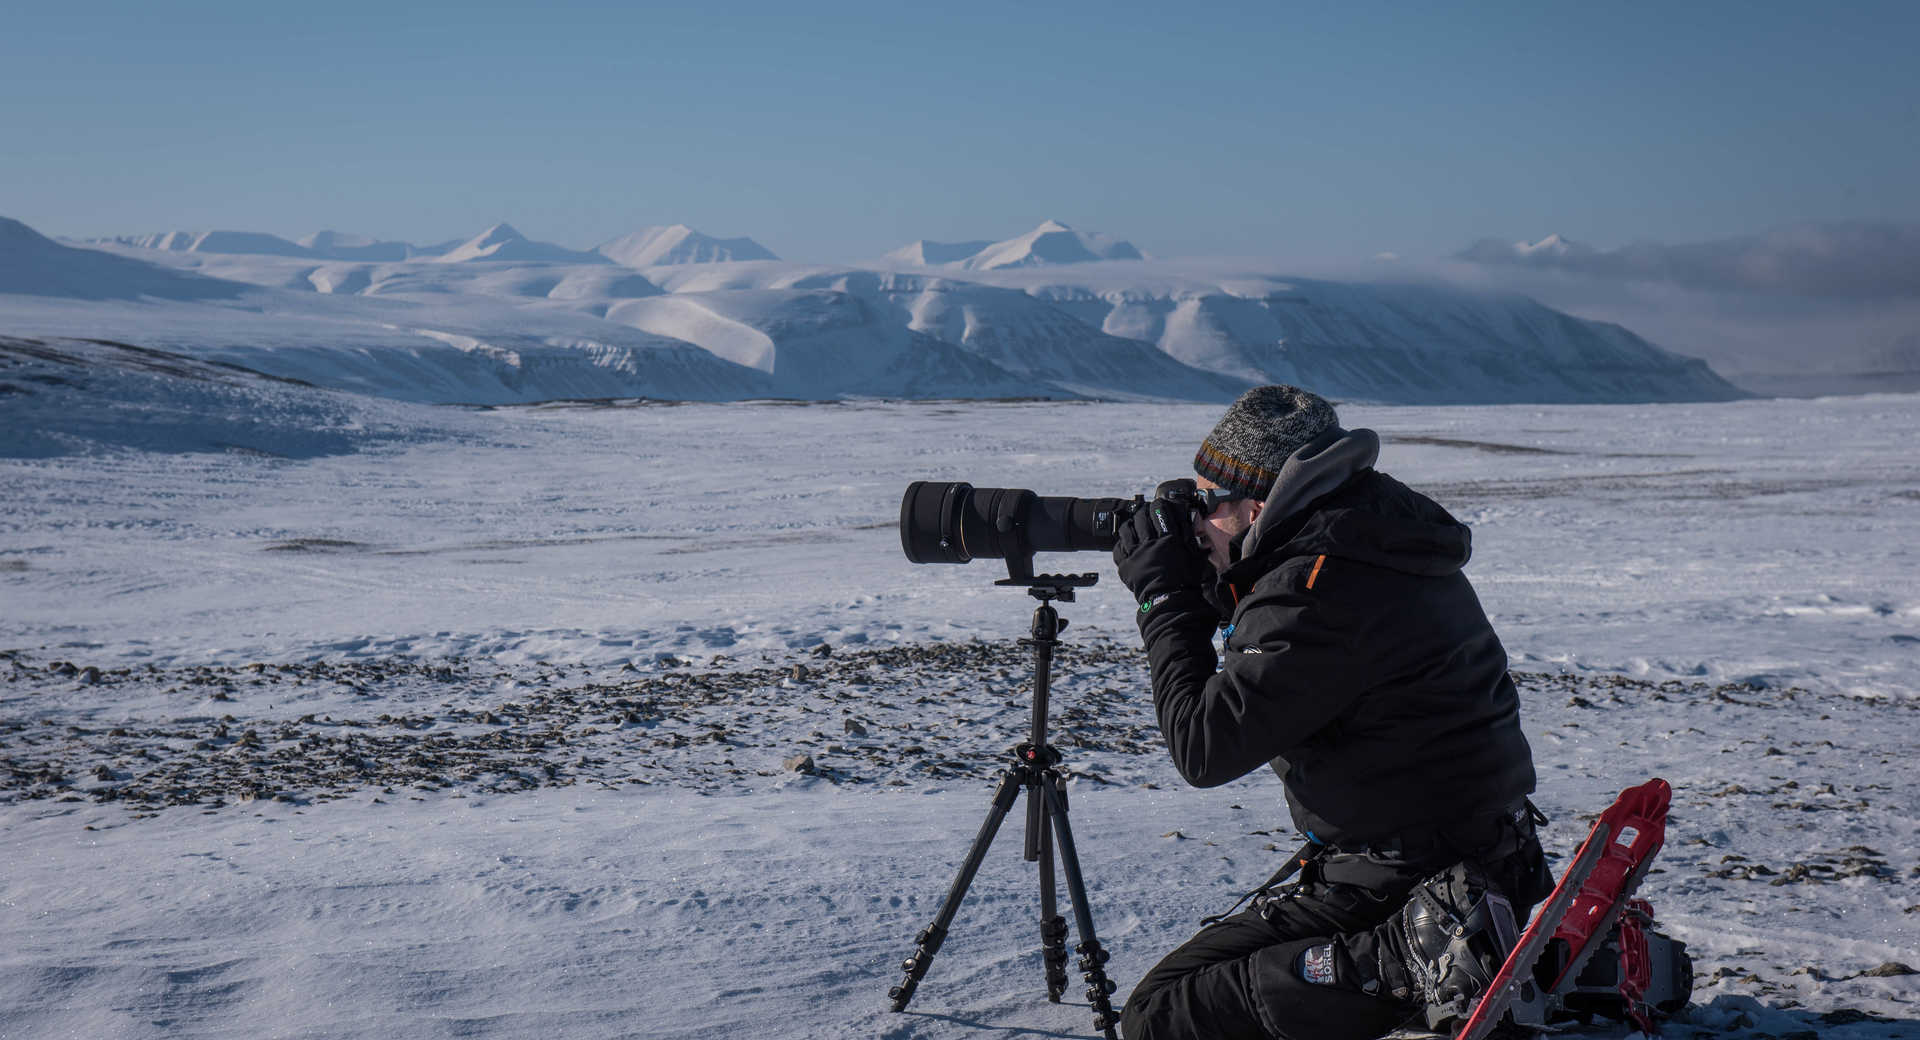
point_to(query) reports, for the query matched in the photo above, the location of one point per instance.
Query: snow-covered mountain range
(668, 312)
(647, 247)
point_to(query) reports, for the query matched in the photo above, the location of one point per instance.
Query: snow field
(1719, 594)
(610, 909)
(1751, 541)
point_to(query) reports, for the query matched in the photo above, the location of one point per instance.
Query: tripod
(1034, 768)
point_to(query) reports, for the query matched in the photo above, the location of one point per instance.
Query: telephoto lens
(955, 522)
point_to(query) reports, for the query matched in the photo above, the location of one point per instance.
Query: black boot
(1439, 952)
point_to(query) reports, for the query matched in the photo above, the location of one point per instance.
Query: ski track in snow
(522, 689)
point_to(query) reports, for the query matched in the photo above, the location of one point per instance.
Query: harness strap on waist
(1456, 839)
(1290, 868)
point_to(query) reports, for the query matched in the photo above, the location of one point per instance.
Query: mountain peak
(31, 264)
(925, 253)
(1552, 245)
(339, 245)
(15, 235)
(504, 242)
(1051, 243)
(329, 239)
(1546, 250)
(679, 244)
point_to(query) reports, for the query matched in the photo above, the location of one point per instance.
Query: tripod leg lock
(1092, 956)
(1053, 948)
(1092, 966)
(925, 946)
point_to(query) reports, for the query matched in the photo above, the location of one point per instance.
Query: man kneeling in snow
(1360, 665)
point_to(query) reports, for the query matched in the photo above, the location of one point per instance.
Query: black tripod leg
(1053, 927)
(930, 938)
(1093, 958)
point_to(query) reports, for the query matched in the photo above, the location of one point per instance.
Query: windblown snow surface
(366, 718)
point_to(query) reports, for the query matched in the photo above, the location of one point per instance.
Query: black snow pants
(1237, 978)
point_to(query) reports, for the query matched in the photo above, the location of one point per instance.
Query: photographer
(1360, 665)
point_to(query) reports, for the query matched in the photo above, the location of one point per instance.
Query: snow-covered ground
(469, 722)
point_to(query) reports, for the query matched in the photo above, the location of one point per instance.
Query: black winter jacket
(1358, 662)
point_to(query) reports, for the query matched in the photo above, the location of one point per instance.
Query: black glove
(1156, 551)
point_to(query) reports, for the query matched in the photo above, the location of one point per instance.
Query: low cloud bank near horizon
(1760, 341)
(1820, 301)
(1852, 260)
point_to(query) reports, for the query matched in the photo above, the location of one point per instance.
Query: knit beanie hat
(1253, 440)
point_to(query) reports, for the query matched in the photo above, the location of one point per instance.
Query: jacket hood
(1328, 499)
(1317, 468)
(1415, 537)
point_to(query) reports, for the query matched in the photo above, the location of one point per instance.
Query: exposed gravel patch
(155, 737)
(158, 737)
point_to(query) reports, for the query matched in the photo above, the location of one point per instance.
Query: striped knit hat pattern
(1260, 430)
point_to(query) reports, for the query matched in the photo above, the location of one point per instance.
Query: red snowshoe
(1590, 948)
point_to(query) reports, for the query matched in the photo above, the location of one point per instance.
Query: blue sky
(835, 131)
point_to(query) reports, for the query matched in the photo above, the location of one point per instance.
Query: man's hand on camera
(1156, 551)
